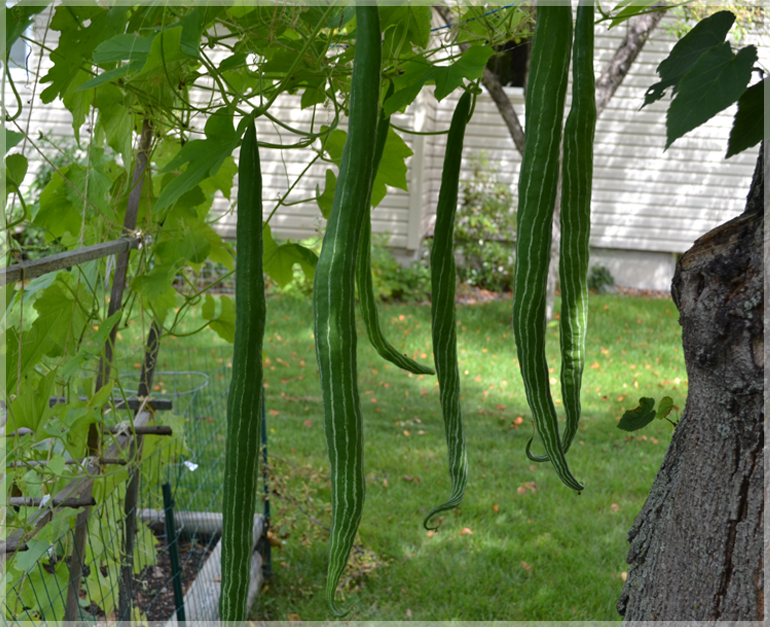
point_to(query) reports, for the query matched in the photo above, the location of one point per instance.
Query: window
(510, 63)
(17, 60)
(20, 50)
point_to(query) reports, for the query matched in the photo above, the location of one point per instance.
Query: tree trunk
(697, 545)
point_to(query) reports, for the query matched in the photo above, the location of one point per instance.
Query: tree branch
(495, 89)
(639, 29)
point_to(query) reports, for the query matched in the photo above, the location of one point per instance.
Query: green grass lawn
(522, 546)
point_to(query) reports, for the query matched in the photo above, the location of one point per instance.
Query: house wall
(648, 204)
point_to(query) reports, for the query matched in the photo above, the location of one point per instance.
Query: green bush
(600, 280)
(485, 229)
(394, 282)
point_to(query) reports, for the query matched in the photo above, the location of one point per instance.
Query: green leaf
(18, 19)
(208, 309)
(194, 247)
(95, 344)
(77, 44)
(749, 124)
(392, 170)
(157, 289)
(665, 407)
(325, 200)
(404, 25)
(16, 168)
(102, 396)
(123, 47)
(632, 9)
(224, 325)
(116, 121)
(106, 77)
(26, 560)
(715, 82)
(279, 260)
(12, 139)
(312, 96)
(192, 29)
(61, 207)
(334, 144)
(165, 50)
(704, 36)
(470, 65)
(635, 419)
(203, 157)
(417, 71)
(29, 407)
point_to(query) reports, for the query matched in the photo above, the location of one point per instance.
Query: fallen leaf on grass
(308, 423)
(495, 509)
(624, 575)
(594, 365)
(466, 532)
(528, 485)
(614, 507)
(273, 412)
(293, 617)
(526, 567)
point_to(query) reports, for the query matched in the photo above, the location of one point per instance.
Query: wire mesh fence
(180, 482)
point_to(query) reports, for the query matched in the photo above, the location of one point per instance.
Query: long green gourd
(537, 195)
(244, 401)
(577, 176)
(366, 297)
(442, 309)
(334, 301)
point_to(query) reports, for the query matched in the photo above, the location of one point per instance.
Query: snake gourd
(577, 175)
(443, 325)
(244, 400)
(334, 301)
(538, 179)
(366, 297)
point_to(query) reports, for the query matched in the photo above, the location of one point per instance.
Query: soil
(153, 590)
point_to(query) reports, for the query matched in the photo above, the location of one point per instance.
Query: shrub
(394, 282)
(485, 229)
(600, 279)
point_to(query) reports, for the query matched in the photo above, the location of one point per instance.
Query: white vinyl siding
(645, 198)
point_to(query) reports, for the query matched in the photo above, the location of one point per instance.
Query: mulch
(153, 590)
(469, 295)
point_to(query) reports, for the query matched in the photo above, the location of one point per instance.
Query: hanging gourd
(442, 309)
(334, 300)
(244, 400)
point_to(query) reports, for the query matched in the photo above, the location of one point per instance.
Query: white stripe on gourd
(442, 279)
(334, 301)
(538, 178)
(366, 297)
(244, 400)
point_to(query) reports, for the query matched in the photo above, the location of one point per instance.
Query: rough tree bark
(696, 547)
